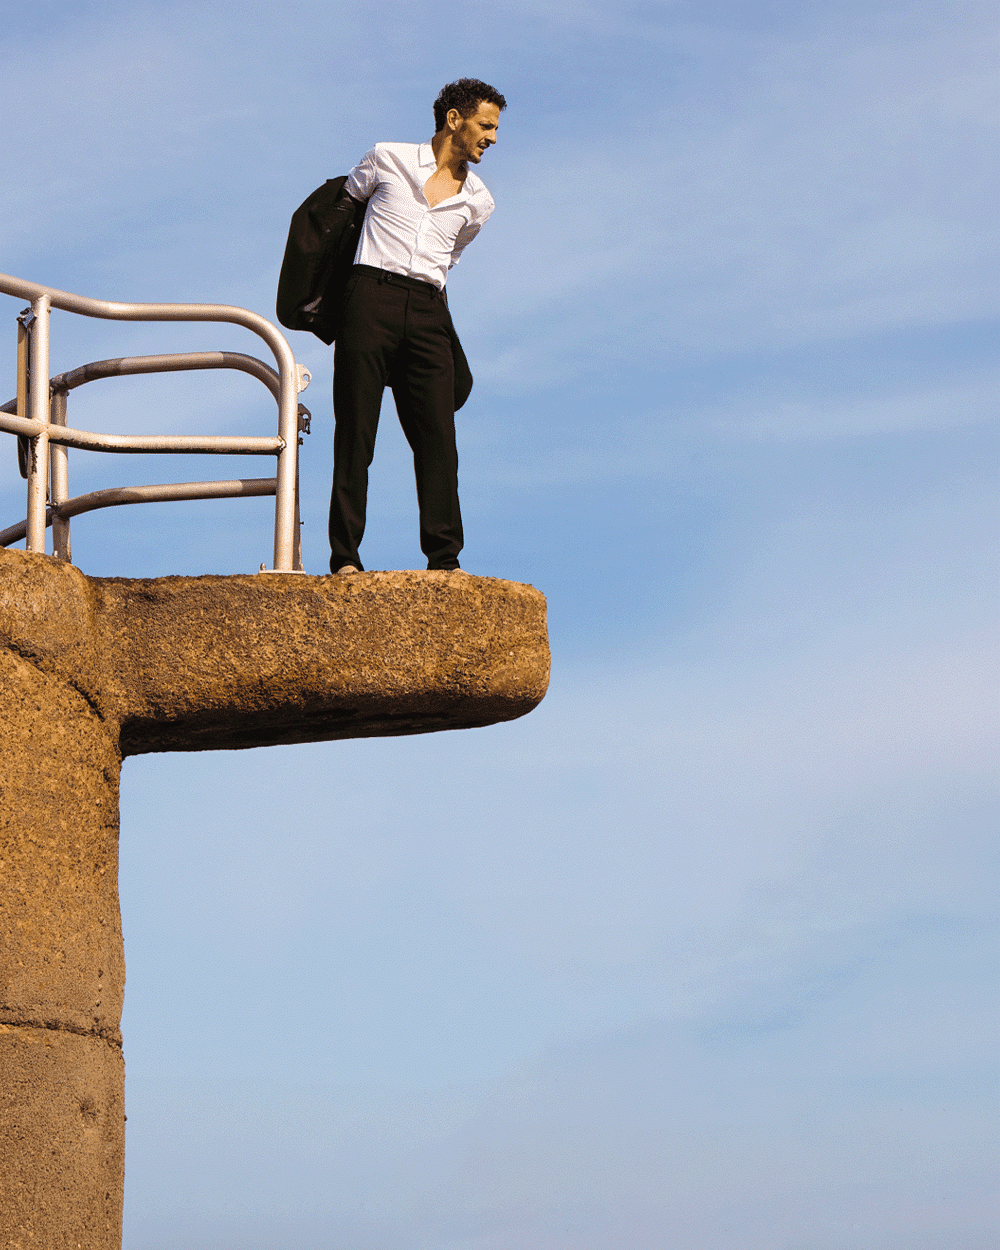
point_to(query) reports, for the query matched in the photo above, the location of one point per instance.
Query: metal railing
(38, 416)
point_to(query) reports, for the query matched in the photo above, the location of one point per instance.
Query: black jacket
(322, 243)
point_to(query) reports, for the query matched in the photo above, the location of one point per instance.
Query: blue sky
(702, 953)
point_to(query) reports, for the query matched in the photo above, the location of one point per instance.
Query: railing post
(286, 471)
(59, 478)
(38, 453)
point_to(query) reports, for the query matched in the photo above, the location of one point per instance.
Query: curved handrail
(43, 298)
(114, 310)
(172, 362)
(149, 444)
(172, 492)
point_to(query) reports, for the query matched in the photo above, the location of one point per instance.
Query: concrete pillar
(62, 972)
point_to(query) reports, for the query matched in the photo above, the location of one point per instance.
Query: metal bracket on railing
(24, 320)
(304, 377)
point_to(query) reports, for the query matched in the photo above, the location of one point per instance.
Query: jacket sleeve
(322, 240)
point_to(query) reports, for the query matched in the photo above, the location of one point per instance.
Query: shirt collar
(426, 159)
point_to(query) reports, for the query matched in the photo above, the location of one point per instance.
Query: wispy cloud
(785, 190)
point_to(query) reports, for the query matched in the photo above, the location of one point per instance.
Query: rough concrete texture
(62, 971)
(62, 1141)
(203, 662)
(93, 670)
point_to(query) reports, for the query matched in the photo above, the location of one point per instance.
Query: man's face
(475, 134)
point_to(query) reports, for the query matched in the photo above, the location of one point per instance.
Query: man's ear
(453, 119)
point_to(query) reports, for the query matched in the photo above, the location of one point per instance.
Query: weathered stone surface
(62, 1141)
(61, 960)
(62, 970)
(208, 662)
(46, 616)
(92, 670)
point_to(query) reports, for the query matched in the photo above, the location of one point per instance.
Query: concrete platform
(93, 670)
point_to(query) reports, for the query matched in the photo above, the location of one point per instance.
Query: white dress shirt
(402, 232)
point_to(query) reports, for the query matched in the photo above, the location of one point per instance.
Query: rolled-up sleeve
(362, 178)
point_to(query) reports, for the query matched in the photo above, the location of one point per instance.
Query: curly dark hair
(466, 95)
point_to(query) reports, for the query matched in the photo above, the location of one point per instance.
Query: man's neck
(447, 159)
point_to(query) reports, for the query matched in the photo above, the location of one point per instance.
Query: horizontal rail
(173, 362)
(148, 444)
(167, 493)
(115, 310)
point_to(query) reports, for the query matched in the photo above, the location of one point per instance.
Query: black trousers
(395, 332)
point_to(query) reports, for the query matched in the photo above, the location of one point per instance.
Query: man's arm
(465, 237)
(362, 178)
(469, 231)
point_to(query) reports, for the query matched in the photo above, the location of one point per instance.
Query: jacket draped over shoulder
(322, 243)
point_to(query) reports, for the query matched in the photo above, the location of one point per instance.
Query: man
(425, 205)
